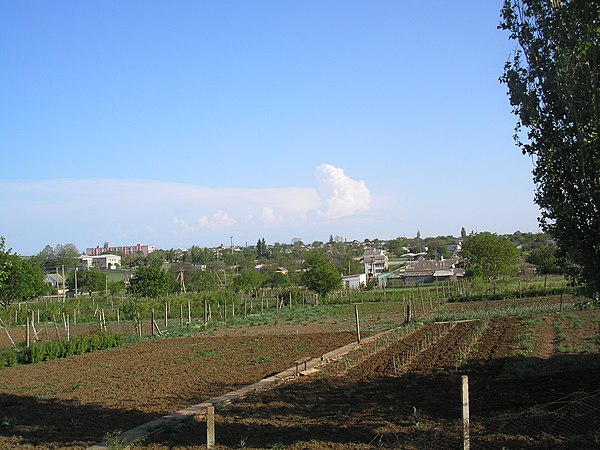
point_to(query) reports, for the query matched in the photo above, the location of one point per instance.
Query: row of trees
(319, 275)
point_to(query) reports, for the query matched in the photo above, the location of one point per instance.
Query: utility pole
(231, 238)
(64, 289)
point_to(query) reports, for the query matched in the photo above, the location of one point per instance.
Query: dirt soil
(374, 405)
(404, 394)
(75, 402)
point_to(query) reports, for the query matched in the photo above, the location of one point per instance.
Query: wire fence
(572, 422)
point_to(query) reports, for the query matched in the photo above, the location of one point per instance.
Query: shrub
(47, 351)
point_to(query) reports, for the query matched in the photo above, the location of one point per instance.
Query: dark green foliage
(66, 255)
(262, 251)
(512, 294)
(489, 255)
(153, 281)
(88, 280)
(248, 281)
(553, 84)
(48, 351)
(23, 278)
(544, 258)
(320, 275)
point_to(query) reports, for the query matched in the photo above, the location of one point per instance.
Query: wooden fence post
(152, 323)
(210, 427)
(561, 302)
(465, 412)
(27, 339)
(357, 324)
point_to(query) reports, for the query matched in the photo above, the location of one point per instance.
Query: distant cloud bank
(125, 210)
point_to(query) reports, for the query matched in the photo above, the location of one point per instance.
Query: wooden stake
(189, 312)
(27, 338)
(152, 323)
(561, 302)
(8, 334)
(166, 315)
(357, 324)
(465, 412)
(157, 329)
(210, 427)
(56, 327)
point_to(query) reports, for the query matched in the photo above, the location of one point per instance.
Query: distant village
(374, 263)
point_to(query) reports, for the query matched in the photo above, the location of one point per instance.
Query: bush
(47, 351)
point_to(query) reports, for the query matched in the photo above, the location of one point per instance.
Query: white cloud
(344, 196)
(183, 224)
(218, 220)
(268, 216)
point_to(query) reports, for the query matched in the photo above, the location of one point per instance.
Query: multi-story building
(106, 261)
(375, 261)
(124, 250)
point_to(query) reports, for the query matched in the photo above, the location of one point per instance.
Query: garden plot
(77, 401)
(372, 402)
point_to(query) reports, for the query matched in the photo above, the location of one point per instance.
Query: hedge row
(505, 295)
(47, 351)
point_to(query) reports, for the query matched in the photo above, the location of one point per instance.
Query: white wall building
(101, 262)
(355, 281)
(375, 261)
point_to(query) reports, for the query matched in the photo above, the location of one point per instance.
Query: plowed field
(401, 392)
(73, 403)
(376, 404)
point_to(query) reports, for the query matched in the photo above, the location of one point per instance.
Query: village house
(375, 261)
(428, 271)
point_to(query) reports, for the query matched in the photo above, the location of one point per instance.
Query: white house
(56, 281)
(101, 261)
(375, 261)
(355, 281)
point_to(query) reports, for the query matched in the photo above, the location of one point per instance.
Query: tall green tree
(24, 280)
(153, 281)
(4, 261)
(489, 255)
(320, 275)
(249, 280)
(88, 280)
(553, 84)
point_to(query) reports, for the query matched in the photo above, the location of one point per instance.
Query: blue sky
(191, 122)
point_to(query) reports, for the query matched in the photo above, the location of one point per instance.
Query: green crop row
(505, 295)
(47, 351)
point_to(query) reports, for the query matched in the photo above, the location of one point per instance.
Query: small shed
(355, 281)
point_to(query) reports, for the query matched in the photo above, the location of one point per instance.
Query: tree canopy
(20, 279)
(553, 84)
(489, 255)
(88, 280)
(320, 275)
(152, 281)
